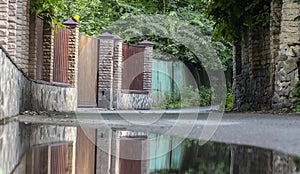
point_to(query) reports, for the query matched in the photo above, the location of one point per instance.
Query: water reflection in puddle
(53, 149)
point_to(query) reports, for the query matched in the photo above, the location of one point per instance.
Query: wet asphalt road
(277, 132)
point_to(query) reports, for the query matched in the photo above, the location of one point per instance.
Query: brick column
(48, 55)
(3, 23)
(73, 51)
(148, 54)
(12, 28)
(117, 69)
(105, 79)
(33, 46)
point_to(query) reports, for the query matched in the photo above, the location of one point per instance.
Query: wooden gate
(85, 151)
(133, 67)
(61, 54)
(87, 71)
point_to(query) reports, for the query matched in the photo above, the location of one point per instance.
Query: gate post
(105, 71)
(117, 70)
(73, 51)
(147, 81)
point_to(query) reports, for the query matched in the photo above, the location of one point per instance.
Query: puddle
(54, 149)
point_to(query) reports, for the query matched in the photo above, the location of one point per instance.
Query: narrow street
(278, 132)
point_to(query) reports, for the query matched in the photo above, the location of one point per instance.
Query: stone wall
(127, 100)
(18, 93)
(265, 69)
(105, 79)
(14, 88)
(110, 94)
(286, 72)
(253, 73)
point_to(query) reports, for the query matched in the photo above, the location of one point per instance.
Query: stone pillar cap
(146, 43)
(107, 35)
(70, 22)
(116, 37)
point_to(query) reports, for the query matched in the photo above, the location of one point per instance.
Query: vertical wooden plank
(61, 53)
(131, 155)
(58, 158)
(133, 67)
(87, 71)
(85, 151)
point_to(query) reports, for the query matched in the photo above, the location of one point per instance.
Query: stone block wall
(110, 94)
(117, 69)
(286, 71)
(253, 73)
(19, 93)
(139, 101)
(73, 56)
(105, 79)
(265, 69)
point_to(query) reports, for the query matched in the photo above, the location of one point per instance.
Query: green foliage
(189, 97)
(233, 16)
(296, 97)
(229, 101)
(96, 16)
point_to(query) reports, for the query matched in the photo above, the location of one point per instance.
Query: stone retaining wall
(134, 101)
(18, 93)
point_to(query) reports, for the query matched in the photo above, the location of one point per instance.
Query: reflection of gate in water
(50, 159)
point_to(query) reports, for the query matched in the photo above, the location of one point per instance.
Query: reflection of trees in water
(208, 158)
(234, 159)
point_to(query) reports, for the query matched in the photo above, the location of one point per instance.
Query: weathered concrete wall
(133, 100)
(17, 93)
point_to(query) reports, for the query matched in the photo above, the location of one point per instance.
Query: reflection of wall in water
(121, 152)
(245, 159)
(17, 138)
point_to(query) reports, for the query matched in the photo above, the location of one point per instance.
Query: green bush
(229, 100)
(189, 97)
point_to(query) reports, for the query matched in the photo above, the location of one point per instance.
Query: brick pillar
(73, 51)
(117, 69)
(148, 54)
(12, 28)
(48, 55)
(3, 23)
(33, 46)
(105, 81)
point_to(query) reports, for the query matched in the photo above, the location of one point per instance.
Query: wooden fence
(61, 54)
(133, 67)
